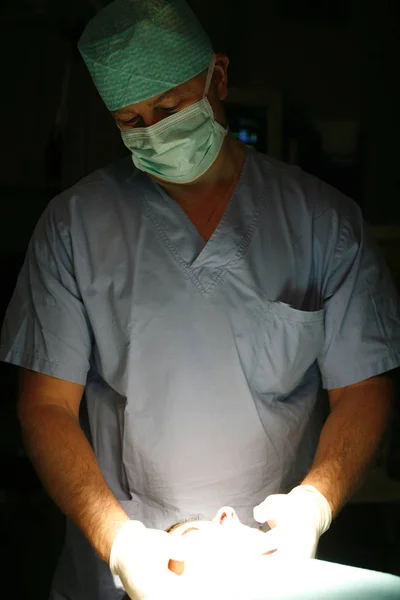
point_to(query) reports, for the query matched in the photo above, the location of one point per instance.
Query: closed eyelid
(166, 97)
(167, 109)
(189, 529)
(170, 104)
(204, 525)
(179, 97)
(128, 120)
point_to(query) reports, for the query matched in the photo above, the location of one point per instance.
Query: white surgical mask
(182, 147)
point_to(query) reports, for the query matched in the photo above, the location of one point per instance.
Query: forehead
(190, 87)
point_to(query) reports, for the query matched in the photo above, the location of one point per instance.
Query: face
(149, 112)
(216, 544)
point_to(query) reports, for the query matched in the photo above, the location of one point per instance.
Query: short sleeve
(361, 304)
(46, 327)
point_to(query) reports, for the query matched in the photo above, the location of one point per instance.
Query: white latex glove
(298, 520)
(140, 557)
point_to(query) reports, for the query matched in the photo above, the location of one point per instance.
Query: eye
(168, 109)
(133, 121)
(129, 122)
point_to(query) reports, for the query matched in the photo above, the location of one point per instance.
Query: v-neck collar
(202, 260)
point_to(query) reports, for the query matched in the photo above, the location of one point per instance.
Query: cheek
(176, 566)
(218, 110)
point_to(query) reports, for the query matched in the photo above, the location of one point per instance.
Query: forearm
(68, 469)
(350, 440)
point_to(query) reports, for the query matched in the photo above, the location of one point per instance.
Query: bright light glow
(271, 578)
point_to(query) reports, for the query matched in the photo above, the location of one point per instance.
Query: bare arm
(350, 438)
(48, 411)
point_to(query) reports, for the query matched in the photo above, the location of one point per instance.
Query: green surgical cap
(137, 49)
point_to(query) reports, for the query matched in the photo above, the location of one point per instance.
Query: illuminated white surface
(312, 579)
(222, 561)
(273, 579)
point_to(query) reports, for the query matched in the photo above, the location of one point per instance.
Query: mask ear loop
(210, 73)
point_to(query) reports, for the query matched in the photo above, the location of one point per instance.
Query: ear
(220, 76)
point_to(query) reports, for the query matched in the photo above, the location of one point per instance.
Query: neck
(221, 176)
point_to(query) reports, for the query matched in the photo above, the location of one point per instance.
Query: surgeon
(199, 296)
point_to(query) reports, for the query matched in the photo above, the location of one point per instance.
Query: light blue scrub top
(203, 362)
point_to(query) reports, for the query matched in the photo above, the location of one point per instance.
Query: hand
(140, 557)
(297, 521)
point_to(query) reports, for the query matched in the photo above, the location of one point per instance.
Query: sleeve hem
(44, 366)
(361, 372)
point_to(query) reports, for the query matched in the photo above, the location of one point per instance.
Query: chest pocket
(288, 343)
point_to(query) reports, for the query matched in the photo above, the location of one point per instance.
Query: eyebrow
(165, 95)
(125, 112)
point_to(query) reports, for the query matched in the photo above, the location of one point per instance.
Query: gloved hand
(140, 557)
(297, 519)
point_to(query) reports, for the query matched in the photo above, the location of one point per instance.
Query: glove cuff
(121, 540)
(323, 513)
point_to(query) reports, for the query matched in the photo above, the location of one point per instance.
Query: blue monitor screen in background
(249, 125)
(247, 136)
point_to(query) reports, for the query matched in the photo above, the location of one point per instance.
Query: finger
(269, 542)
(171, 587)
(267, 510)
(177, 550)
(164, 585)
(171, 578)
(299, 548)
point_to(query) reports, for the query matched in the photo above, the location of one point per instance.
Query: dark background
(333, 68)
